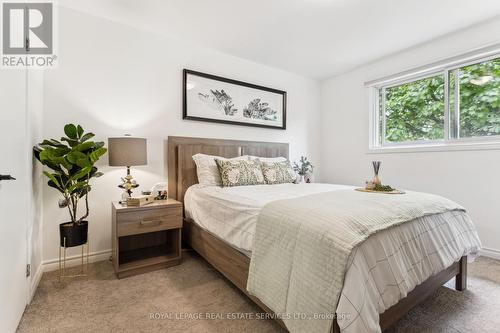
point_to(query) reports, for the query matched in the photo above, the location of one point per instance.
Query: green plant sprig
(305, 167)
(383, 188)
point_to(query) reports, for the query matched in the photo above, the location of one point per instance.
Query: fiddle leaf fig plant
(71, 161)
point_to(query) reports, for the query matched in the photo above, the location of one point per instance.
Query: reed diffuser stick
(376, 168)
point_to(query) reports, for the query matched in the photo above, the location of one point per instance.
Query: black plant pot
(72, 234)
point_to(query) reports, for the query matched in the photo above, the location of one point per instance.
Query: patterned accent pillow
(278, 172)
(207, 170)
(238, 173)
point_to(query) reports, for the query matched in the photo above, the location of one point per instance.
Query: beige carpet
(170, 301)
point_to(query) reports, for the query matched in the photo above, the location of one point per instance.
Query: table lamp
(127, 151)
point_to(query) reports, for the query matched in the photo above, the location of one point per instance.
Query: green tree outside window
(415, 111)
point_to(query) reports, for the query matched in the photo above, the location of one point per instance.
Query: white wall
(113, 79)
(34, 104)
(468, 177)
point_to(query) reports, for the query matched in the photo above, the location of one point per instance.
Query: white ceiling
(314, 38)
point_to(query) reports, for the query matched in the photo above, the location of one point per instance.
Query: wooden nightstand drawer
(146, 238)
(139, 222)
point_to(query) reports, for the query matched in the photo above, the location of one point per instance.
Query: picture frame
(216, 99)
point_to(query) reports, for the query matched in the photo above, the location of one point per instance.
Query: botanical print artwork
(259, 110)
(220, 100)
(211, 98)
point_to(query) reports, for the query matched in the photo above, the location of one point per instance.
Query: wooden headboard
(182, 169)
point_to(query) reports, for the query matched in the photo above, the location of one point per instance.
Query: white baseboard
(35, 281)
(490, 253)
(53, 264)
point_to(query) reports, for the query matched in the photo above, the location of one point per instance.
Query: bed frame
(233, 264)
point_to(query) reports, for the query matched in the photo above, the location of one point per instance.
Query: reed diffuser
(376, 168)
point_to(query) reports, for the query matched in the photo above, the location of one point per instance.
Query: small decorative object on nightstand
(160, 190)
(146, 238)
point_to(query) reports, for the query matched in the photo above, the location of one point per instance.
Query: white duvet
(382, 270)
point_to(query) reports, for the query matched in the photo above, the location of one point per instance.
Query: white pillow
(207, 170)
(267, 159)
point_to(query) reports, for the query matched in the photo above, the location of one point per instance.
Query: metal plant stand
(84, 266)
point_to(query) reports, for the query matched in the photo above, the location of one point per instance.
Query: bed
(229, 249)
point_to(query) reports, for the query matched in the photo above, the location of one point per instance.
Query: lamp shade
(127, 151)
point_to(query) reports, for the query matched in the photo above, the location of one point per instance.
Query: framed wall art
(213, 98)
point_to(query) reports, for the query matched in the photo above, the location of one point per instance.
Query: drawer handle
(151, 222)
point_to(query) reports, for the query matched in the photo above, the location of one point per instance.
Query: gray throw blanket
(302, 247)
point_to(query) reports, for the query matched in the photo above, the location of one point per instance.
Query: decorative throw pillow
(278, 172)
(207, 170)
(238, 173)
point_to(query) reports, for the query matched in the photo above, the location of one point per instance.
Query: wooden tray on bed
(384, 192)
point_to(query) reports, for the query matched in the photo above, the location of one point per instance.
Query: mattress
(382, 270)
(231, 212)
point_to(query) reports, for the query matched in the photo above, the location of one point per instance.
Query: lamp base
(128, 183)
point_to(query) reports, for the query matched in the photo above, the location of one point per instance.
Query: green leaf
(51, 184)
(78, 186)
(71, 131)
(96, 154)
(74, 156)
(82, 173)
(94, 170)
(54, 180)
(85, 146)
(46, 155)
(79, 131)
(84, 191)
(61, 161)
(36, 152)
(52, 143)
(59, 152)
(71, 142)
(83, 162)
(54, 166)
(86, 137)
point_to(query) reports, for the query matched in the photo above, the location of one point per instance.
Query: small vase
(376, 168)
(308, 178)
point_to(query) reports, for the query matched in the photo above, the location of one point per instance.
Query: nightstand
(146, 238)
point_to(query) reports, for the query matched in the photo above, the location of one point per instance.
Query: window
(414, 111)
(451, 104)
(477, 109)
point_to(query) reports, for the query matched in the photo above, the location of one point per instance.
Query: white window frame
(377, 141)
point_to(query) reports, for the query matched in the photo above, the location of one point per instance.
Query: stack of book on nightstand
(140, 200)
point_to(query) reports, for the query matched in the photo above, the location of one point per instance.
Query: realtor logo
(27, 34)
